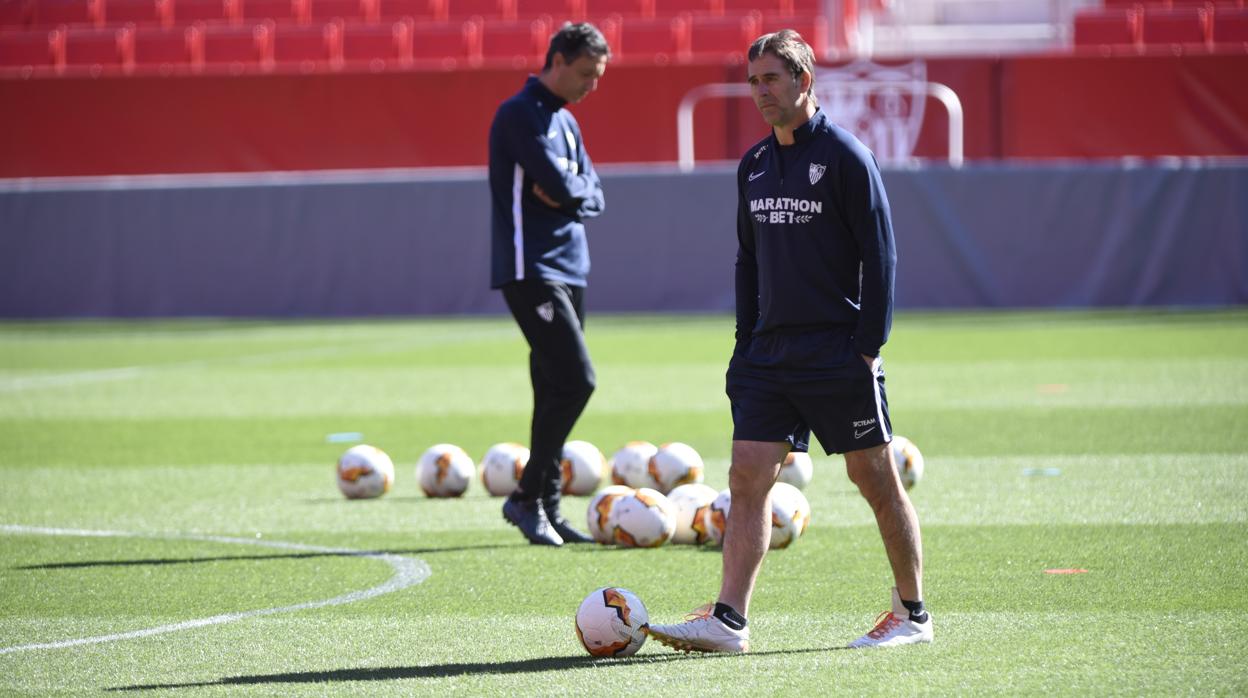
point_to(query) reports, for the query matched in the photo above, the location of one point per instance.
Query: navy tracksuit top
(815, 238)
(535, 140)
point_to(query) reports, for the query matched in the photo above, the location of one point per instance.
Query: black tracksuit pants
(552, 317)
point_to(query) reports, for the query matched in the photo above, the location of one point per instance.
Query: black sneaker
(531, 519)
(563, 528)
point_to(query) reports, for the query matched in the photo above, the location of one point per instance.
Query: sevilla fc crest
(816, 172)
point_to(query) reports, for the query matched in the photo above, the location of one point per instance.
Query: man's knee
(755, 465)
(872, 471)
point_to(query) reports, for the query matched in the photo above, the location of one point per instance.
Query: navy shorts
(783, 386)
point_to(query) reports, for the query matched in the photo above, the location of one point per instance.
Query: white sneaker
(894, 628)
(702, 632)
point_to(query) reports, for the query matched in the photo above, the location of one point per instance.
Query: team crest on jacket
(816, 172)
(546, 311)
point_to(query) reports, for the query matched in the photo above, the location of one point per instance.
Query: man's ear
(805, 80)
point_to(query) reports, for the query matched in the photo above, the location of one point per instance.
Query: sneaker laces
(700, 613)
(884, 623)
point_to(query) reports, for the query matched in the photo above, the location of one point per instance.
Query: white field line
(59, 380)
(407, 572)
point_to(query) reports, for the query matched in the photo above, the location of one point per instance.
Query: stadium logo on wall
(880, 104)
(816, 172)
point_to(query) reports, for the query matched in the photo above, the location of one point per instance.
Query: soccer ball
(630, 463)
(691, 502)
(790, 514)
(502, 466)
(715, 518)
(909, 460)
(672, 465)
(612, 622)
(796, 470)
(644, 519)
(600, 514)
(581, 468)
(445, 471)
(365, 472)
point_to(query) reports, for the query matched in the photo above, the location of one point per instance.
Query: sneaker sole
(689, 648)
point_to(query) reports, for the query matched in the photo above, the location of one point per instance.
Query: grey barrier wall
(417, 243)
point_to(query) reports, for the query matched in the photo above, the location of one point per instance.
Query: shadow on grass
(439, 671)
(247, 558)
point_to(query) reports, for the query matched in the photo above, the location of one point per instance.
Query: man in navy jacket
(814, 277)
(542, 185)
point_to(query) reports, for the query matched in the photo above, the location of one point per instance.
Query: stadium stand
(186, 12)
(378, 46)
(722, 38)
(139, 12)
(418, 10)
(99, 48)
(163, 50)
(520, 45)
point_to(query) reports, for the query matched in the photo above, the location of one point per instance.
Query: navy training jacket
(534, 139)
(815, 237)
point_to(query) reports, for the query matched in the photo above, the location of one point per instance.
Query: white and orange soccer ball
(672, 465)
(790, 514)
(715, 519)
(691, 503)
(630, 464)
(612, 622)
(445, 471)
(502, 467)
(600, 515)
(581, 468)
(644, 519)
(909, 460)
(365, 472)
(797, 470)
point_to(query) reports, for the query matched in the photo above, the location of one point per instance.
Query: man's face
(776, 92)
(574, 81)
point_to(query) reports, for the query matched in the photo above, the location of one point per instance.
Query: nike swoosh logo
(756, 175)
(860, 434)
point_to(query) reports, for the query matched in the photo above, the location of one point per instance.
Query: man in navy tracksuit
(814, 277)
(542, 185)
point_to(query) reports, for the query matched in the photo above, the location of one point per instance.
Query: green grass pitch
(157, 474)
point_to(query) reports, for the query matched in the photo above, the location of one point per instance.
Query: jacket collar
(804, 132)
(544, 96)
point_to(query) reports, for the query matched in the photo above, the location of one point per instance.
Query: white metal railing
(936, 90)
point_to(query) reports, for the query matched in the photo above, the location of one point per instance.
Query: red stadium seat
(446, 45)
(166, 49)
(16, 13)
(346, 10)
(559, 11)
(188, 11)
(775, 7)
(1107, 28)
(724, 39)
(139, 12)
(419, 10)
(298, 11)
(516, 44)
(99, 48)
(813, 28)
(653, 41)
(245, 47)
(486, 9)
(308, 48)
(671, 8)
(599, 10)
(37, 48)
(378, 46)
(1230, 27)
(1188, 25)
(51, 13)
